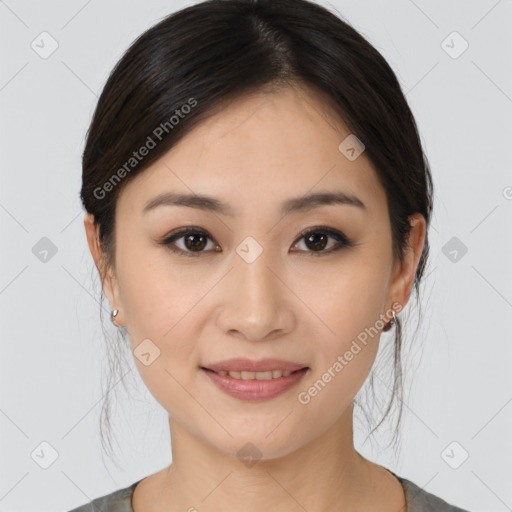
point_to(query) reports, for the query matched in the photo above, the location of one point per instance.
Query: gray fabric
(417, 499)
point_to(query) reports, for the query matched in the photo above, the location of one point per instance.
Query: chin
(256, 447)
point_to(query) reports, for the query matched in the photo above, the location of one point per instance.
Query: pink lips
(254, 389)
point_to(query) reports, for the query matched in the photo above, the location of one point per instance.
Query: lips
(254, 389)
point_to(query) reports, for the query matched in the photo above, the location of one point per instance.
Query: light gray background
(53, 353)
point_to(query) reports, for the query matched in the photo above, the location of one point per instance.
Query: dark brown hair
(184, 68)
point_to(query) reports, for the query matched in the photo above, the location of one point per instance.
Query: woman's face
(249, 285)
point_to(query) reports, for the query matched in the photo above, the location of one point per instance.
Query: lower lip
(255, 389)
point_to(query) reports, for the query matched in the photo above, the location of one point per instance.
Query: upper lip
(241, 364)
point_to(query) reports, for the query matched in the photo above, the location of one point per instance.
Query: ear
(404, 272)
(108, 279)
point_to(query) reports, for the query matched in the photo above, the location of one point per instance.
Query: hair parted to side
(216, 51)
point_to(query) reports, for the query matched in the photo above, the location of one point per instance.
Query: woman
(257, 204)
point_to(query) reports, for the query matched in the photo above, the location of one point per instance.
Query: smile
(253, 386)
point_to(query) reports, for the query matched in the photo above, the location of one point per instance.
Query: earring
(113, 314)
(388, 326)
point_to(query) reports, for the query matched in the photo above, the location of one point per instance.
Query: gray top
(417, 499)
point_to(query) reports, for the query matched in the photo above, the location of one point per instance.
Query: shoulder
(117, 501)
(419, 500)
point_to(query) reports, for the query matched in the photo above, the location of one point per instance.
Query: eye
(194, 240)
(317, 240)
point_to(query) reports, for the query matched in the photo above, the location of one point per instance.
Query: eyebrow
(208, 203)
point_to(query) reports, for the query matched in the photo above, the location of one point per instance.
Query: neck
(326, 473)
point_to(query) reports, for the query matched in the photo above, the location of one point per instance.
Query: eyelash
(340, 237)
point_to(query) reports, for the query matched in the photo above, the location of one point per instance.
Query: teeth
(271, 374)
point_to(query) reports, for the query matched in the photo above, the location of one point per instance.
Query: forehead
(259, 148)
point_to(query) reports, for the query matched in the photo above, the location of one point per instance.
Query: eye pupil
(190, 238)
(315, 237)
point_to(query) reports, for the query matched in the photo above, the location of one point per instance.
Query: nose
(256, 303)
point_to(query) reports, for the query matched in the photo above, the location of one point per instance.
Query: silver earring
(113, 314)
(391, 322)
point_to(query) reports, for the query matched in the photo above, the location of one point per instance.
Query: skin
(289, 303)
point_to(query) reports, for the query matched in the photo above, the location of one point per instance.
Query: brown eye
(193, 241)
(316, 240)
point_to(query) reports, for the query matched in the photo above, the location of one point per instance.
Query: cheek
(156, 293)
(346, 298)
(161, 307)
(165, 315)
(161, 336)
(347, 324)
